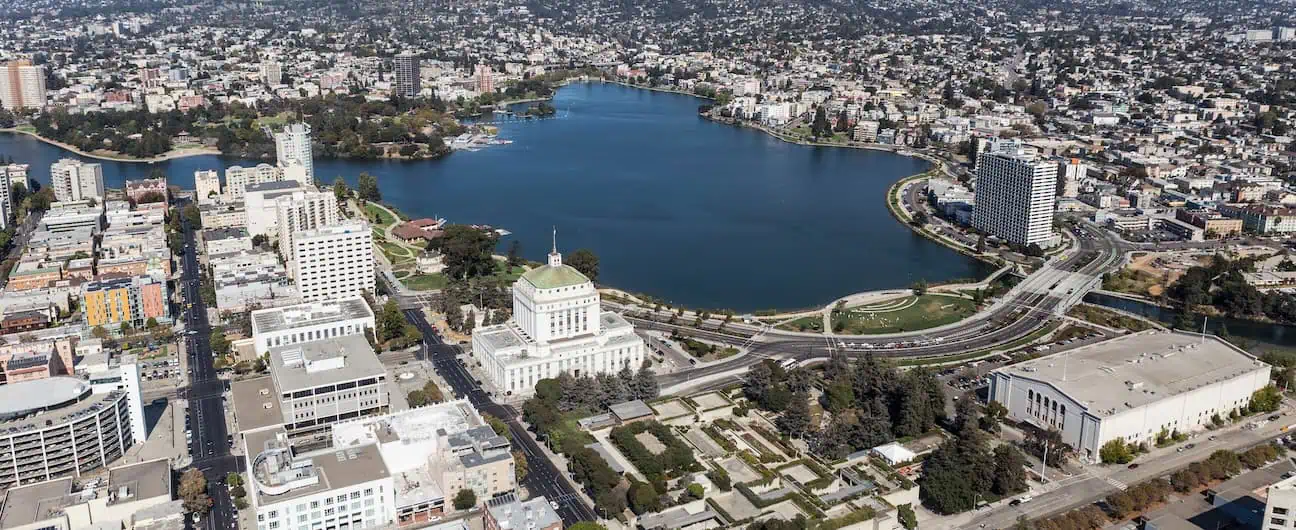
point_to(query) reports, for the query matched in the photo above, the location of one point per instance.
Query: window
(1280, 511)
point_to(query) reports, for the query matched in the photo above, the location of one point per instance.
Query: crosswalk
(1116, 483)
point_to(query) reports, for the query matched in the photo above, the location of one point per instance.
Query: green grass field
(812, 323)
(905, 314)
(379, 216)
(425, 282)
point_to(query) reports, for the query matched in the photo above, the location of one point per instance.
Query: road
(208, 447)
(543, 477)
(1027, 308)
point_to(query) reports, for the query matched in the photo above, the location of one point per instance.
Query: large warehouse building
(1130, 387)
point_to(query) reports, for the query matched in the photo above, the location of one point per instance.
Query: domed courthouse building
(557, 327)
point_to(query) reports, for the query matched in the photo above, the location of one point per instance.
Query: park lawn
(378, 235)
(379, 215)
(394, 252)
(426, 282)
(909, 314)
(812, 323)
(1133, 281)
(510, 275)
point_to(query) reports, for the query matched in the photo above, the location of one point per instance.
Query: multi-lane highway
(206, 414)
(1028, 307)
(543, 477)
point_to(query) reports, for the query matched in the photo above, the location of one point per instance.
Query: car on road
(1132, 466)
(1274, 417)
(1015, 502)
(554, 504)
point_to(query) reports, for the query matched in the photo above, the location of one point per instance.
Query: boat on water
(474, 142)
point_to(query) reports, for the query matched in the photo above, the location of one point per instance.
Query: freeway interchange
(1028, 307)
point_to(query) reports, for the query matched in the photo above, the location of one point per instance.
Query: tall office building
(271, 72)
(485, 79)
(333, 262)
(407, 74)
(75, 180)
(22, 85)
(304, 210)
(10, 175)
(1015, 194)
(293, 145)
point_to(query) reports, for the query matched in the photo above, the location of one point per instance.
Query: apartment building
(132, 300)
(407, 75)
(333, 261)
(74, 180)
(304, 210)
(259, 201)
(58, 427)
(238, 178)
(22, 85)
(207, 186)
(10, 175)
(147, 190)
(293, 147)
(1015, 195)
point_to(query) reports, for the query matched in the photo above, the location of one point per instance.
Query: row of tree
(1223, 286)
(965, 470)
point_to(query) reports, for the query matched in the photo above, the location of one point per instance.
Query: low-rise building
(1130, 388)
(226, 240)
(285, 326)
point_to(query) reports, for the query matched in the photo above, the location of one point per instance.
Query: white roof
(894, 452)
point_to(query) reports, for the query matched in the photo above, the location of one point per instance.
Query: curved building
(57, 427)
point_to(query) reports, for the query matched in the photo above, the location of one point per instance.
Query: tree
(151, 324)
(368, 188)
(920, 287)
(1115, 451)
(193, 491)
(519, 466)
(498, 426)
(819, 127)
(586, 262)
(99, 333)
(340, 190)
(586, 525)
(466, 251)
(1010, 470)
(514, 253)
(391, 322)
(465, 499)
(796, 419)
(1267, 399)
(219, 344)
(907, 517)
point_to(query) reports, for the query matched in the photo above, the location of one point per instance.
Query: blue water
(699, 213)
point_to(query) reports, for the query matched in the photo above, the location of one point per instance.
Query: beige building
(22, 85)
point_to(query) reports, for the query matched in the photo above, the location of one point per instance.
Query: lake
(698, 213)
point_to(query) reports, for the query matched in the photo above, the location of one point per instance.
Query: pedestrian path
(1117, 484)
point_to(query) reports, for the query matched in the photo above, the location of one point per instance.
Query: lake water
(699, 213)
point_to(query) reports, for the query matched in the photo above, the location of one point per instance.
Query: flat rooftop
(323, 362)
(30, 504)
(302, 315)
(338, 468)
(144, 480)
(250, 404)
(1112, 376)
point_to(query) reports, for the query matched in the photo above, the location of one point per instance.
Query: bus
(787, 364)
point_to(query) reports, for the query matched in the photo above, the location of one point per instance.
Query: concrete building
(333, 262)
(271, 72)
(304, 210)
(207, 186)
(1280, 506)
(1130, 388)
(406, 81)
(322, 382)
(557, 326)
(506, 512)
(74, 180)
(135, 497)
(10, 175)
(58, 427)
(1072, 171)
(226, 240)
(238, 178)
(229, 215)
(293, 145)
(22, 85)
(262, 209)
(295, 324)
(866, 131)
(134, 300)
(292, 490)
(485, 79)
(66, 217)
(1015, 195)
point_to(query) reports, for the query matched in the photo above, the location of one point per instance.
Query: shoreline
(169, 155)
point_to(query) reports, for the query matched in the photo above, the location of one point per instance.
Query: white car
(554, 504)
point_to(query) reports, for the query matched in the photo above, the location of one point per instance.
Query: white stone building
(557, 326)
(304, 210)
(283, 326)
(333, 262)
(293, 146)
(1130, 387)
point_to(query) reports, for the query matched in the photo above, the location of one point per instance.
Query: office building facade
(333, 262)
(295, 324)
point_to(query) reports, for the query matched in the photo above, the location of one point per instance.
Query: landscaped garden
(898, 315)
